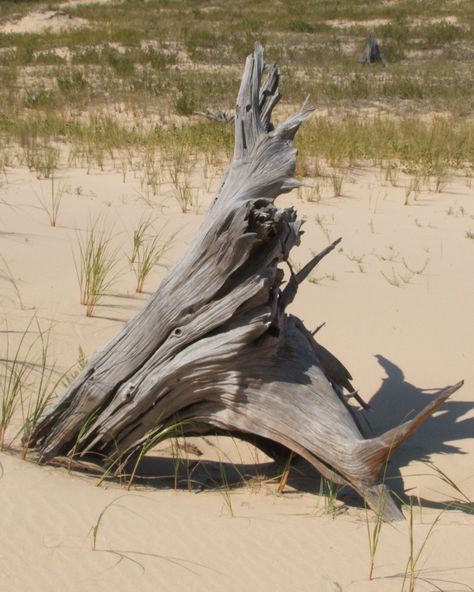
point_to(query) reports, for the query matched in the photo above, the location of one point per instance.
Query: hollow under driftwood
(214, 348)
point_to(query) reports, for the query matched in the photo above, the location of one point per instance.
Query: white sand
(396, 341)
(42, 21)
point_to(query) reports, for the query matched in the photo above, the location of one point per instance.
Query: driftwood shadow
(396, 401)
(162, 473)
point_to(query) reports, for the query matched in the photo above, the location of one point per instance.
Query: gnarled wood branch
(214, 347)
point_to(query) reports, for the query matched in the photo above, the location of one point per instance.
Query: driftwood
(372, 53)
(214, 348)
(220, 116)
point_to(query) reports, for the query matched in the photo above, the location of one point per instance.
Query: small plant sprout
(180, 169)
(223, 485)
(359, 259)
(321, 222)
(7, 275)
(317, 280)
(418, 271)
(441, 177)
(152, 176)
(391, 173)
(460, 501)
(391, 255)
(95, 264)
(42, 159)
(397, 279)
(413, 189)
(149, 253)
(315, 193)
(123, 165)
(86, 424)
(94, 531)
(184, 192)
(76, 369)
(15, 370)
(52, 206)
(373, 534)
(5, 161)
(409, 578)
(43, 391)
(226, 489)
(337, 180)
(138, 237)
(27, 382)
(156, 435)
(179, 452)
(330, 490)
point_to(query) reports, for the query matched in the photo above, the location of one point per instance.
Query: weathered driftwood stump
(372, 53)
(214, 346)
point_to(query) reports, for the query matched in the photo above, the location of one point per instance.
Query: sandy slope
(399, 343)
(40, 21)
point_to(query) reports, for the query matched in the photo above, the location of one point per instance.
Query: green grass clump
(146, 251)
(72, 82)
(429, 144)
(46, 382)
(15, 371)
(96, 263)
(28, 382)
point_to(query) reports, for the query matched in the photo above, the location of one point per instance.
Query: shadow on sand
(395, 402)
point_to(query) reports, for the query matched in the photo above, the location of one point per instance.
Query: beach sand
(397, 302)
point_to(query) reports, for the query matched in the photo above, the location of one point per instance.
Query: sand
(41, 21)
(397, 303)
(401, 343)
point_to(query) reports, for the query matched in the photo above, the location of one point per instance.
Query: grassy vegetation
(418, 147)
(96, 265)
(148, 254)
(28, 382)
(124, 92)
(134, 77)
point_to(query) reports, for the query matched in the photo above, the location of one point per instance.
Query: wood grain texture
(214, 347)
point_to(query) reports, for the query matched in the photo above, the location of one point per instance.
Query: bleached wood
(214, 346)
(372, 53)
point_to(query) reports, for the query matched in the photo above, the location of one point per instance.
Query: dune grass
(152, 92)
(7, 275)
(45, 386)
(52, 205)
(29, 381)
(148, 247)
(161, 70)
(15, 372)
(415, 554)
(139, 237)
(149, 253)
(424, 149)
(96, 265)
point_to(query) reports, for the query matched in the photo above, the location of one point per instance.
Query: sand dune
(397, 302)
